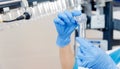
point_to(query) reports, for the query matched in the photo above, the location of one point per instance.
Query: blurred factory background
(31, 44)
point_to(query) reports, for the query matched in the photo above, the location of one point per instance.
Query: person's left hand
(65, 25)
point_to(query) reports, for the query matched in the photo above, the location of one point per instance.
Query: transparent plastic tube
(81, 20)
(81, 29)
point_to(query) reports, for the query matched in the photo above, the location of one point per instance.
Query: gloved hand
(65, 25)
(89, 56)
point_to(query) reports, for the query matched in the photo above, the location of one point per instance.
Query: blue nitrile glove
(89, 56)
(65, 25)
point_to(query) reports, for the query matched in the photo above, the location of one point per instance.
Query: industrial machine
(101, 19)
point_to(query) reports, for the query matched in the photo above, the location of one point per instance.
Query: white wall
(30, 45)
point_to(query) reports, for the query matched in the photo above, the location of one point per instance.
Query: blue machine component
(116, 56)
(75, 64)
(117, 0)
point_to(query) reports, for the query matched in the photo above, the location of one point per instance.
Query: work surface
(31, 44)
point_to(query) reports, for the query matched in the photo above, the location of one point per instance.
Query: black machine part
(25, 16)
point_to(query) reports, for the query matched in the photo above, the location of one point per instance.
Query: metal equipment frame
(108, 31)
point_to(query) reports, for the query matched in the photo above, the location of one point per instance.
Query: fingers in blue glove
(84, 42)
(72, 28)
(86, 47)
(76, 13)
(66, 17)
(81, 58)
(63, 17)
(80, 52)
(58, 21)
(70, 16)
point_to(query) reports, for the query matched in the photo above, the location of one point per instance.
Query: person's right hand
(93, 57)
(65, 25)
